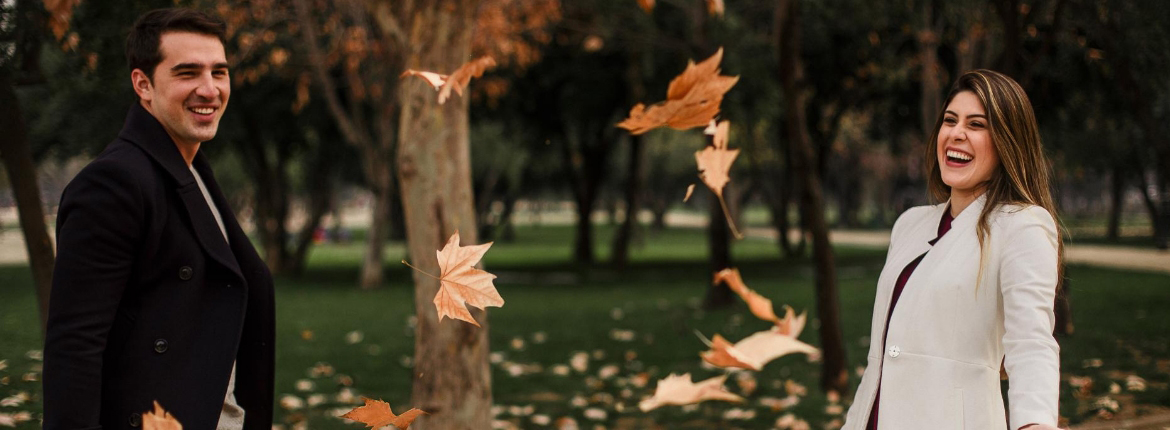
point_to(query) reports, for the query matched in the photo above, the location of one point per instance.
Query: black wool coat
(149, 302)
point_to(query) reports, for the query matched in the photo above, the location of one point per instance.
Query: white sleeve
(1027, 280)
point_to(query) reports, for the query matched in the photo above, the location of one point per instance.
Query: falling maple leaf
(760, 306)
(715, 165)
(377, 414)
(679, 390)
(646, 5)
(460, 283)
(692, 99)
(159, 419)
(690, 190)
(457, 80)
(754, 351)
(436, 80)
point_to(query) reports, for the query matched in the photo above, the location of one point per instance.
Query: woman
(970, 283)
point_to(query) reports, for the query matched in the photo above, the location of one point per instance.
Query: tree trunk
(371, 275)
(22, 174)
(834, 376)
(1115, 203)
(719, 255)
(452, 380)
(621, 242)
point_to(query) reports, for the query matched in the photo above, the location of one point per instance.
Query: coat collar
(144, 131)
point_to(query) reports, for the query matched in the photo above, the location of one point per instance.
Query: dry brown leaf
(461, 283)
(692, 99)
(159, 419)
(434, 79)
(715, 167)
(754, 351)
(459, 79)
(715, 7)
(646, 5)
(760, 307)
(723, 354)
(679, 390)
(791, 325)
(690, 190)
(377, 414)
(60, 12)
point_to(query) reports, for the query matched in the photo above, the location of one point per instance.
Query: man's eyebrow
(189, 66)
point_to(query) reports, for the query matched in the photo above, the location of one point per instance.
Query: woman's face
(966, 156)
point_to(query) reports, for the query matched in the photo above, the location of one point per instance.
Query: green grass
(1120, 318)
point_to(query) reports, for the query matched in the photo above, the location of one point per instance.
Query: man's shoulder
(121, 163)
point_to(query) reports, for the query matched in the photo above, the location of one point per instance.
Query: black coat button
(160, 346)
(185, 272)
(135, 419)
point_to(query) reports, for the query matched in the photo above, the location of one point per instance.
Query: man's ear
(142, 85)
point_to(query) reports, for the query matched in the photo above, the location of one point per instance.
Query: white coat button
(894, 351)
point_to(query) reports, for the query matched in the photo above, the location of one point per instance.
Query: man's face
(190, 88)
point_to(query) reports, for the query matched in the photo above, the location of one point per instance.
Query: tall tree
(20, 44)
(452, 377)
(791, 75)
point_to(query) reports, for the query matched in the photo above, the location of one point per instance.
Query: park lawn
(638, 323)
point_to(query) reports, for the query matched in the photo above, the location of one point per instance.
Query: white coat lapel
(937, 255)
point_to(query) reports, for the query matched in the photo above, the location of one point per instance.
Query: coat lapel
(936, 255)
(144, 131)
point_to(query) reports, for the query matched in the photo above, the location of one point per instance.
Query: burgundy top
(944, 225)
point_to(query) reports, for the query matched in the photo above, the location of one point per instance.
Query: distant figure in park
(157, 292)
(969, 284)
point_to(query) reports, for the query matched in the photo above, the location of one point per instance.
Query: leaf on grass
(679, 390)
(646, 5)
(759, 306)
(457, 80)
(461, 283)
(692, 99)
(754, 351)
(690, 190)
(377, 414)
(159, 419)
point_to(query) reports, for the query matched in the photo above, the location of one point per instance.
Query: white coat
(939, 367)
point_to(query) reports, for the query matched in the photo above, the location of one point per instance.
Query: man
(157, 292)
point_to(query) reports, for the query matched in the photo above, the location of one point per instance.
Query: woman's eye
(948, 120)
(977, 124)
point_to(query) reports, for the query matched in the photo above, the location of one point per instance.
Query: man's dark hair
(142, 45)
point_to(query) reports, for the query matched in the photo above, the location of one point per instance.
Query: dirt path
(1144, 259)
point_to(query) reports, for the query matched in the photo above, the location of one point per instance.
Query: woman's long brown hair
(1023, 173)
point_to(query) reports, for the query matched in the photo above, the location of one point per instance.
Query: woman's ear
(142, 85)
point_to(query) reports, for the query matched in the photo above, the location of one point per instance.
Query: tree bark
(452, 380)
(1115, 202)
(22, 174)
(620, 255)
(833, 376)
(719, 255)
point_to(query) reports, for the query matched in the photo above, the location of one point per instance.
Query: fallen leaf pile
(457, 80)
(692, 99)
